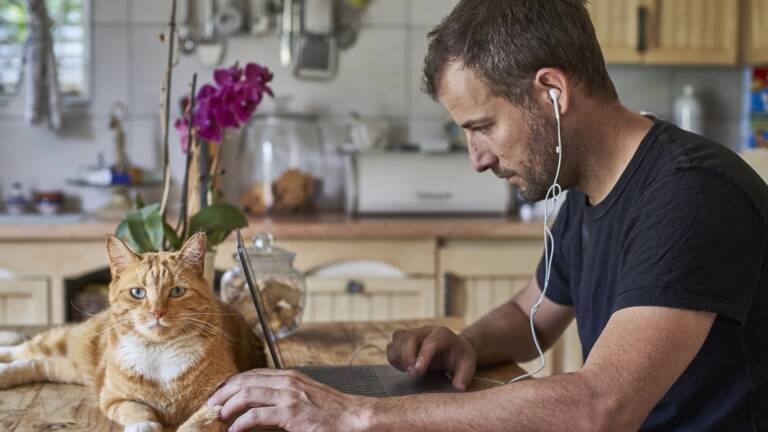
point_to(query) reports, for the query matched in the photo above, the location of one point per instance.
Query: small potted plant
(228, 103)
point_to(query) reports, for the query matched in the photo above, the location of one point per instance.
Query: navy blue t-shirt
(686, 226)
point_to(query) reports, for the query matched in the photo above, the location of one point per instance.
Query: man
(660, 253)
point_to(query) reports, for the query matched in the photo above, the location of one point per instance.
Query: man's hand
(433, 348)
(287, 399)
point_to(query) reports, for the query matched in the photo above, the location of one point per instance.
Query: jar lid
(264, 248)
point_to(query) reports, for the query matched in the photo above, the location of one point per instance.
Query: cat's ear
(120, 256)
(192, 254)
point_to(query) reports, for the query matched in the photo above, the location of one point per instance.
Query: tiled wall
(378, 77)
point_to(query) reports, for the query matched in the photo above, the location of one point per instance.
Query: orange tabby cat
(163, 346)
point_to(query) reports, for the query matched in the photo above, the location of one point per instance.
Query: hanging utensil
(187, 42)
(210, 51)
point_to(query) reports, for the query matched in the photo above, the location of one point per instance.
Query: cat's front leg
(133, 416)
(204, 420)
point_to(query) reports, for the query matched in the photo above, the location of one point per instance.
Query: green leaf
(153, 225)
(217, 220)
(173, 238)
(143, 229)
(124, 234)
(138, 202)
(137, 228)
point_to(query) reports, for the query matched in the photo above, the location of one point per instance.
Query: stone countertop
(321, 226)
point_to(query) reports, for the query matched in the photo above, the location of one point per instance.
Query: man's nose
(159, 313)
(482, 159)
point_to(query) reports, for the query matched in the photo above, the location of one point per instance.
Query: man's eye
(483, 129)
(177, 292)
(138, 293)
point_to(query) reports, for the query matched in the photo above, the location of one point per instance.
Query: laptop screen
(245, 262)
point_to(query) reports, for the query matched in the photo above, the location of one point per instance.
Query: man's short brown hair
(505, 42)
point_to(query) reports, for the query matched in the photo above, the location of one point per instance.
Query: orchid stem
(182, 223)
(167, 115)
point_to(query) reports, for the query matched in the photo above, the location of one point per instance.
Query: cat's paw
(204, 420)
(145, 426)
(211, 415)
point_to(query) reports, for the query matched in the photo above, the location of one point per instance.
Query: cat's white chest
(158, 362)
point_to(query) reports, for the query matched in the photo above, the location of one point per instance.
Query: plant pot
(209, 271)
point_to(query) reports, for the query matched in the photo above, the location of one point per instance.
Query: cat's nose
(159, 314)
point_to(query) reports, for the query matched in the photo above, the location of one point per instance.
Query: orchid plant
(227, 104)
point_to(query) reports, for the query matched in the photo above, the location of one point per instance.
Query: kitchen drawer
(362, 299)
(24, 301)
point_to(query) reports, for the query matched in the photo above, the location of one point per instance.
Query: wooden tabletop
(49, 407)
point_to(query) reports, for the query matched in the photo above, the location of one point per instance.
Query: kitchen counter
(323, 226)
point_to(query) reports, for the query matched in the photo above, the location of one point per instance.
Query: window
(69, 45)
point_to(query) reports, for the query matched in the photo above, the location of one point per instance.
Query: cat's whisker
(219, 331)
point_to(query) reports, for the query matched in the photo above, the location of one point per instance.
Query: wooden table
(50, 407)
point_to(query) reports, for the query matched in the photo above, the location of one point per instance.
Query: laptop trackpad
(377, 380)
(400, 383)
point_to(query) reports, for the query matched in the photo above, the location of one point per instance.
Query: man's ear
(192, 254)
(120, 256)
(547, 79)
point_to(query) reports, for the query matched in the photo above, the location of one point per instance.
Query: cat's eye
(178, 291)
(138, 293)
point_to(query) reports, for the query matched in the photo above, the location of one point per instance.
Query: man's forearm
(502, 335)
(565, 401)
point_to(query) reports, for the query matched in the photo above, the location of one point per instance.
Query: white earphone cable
(553, 195)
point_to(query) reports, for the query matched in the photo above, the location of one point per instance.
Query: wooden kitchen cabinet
(692, 32)
(39, 270)
(616, 26)
(754, 14)
(24, 301)
(668, 31)
(477, 276)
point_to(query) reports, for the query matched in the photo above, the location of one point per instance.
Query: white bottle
(688, 112)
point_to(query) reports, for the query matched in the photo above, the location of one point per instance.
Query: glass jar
(282, 164)
(282, 287)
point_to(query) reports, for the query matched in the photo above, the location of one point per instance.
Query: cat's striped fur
(153, 361)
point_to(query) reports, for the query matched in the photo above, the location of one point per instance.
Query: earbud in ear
(554, 94)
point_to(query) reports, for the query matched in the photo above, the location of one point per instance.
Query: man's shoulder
(688, 167)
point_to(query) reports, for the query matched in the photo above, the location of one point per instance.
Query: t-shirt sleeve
(694, 241)
(559, 288)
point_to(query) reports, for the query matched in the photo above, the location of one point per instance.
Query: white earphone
(553, 195)
(554, 94)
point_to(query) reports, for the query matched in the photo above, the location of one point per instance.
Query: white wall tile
(645, 88)
(385, 12)
(419, 102)
(149, 11)
(110, 11)
(370, 78)
(429, 13)
(110, 70)
(147, 62)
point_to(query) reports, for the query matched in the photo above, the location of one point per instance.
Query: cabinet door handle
(642, 32)
(355, 287)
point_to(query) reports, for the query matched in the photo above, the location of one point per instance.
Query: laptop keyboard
(358, 380)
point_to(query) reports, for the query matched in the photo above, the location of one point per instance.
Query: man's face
(516, 143)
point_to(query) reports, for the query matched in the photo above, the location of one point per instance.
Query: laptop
(366, 380)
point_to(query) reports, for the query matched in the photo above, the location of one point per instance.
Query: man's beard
(540, 161)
